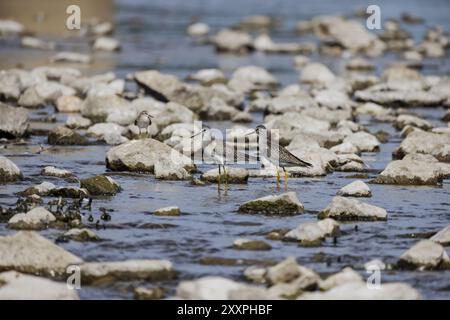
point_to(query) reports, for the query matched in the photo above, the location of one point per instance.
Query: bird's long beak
(254, 131)
(197, 133)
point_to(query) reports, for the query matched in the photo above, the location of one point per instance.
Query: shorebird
(143, 120)
(278, 155)
(222, 152)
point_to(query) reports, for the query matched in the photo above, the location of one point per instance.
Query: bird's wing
(286, 156)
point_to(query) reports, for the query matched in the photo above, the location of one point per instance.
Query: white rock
(35, 219)
(249, 78)
(13, 122)
(106, 44)
(442, 237)
(438, 145)
(73, 57)
(208, 77)
(234, 41)
(10, 27)
(9, 172)
(56, 172)
(75, 121)
(198, 29)
(168, 211)
(345, 209)
(69, 104)
(355, 189)
(36, 43)
(18, 286)
(425, 254)
(363, 141)
(316, 73)
(347, 275)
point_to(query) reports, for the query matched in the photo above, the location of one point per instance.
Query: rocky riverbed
(82, 185)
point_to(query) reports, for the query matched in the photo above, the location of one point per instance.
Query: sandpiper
(278, 155)
(143, 121)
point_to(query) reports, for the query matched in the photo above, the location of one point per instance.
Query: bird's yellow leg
(278, 179)
(286, 176)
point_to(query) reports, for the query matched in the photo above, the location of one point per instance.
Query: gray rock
(35, 219)
(250, 78)
(217, 109)
(96, 273)
(285, 271)
(198, 29)
(434, 144)
(55, 172)
(104, 131)
(13, 122)
(414, 169)
(208, 77)
(143, 155)
(355, 189)
(108, 108)
(442, 237)
(313, 233)
(363, 141)
(28, 252)
(42, 189)
(347, 275)
(69, 104)
(344, 209)
(232, 41)
(316, 73)
(71, 57)
(408, 98)
(141, 293)
(254, 245)
(18, 286)
(285, 204)
(44, 92)
(36, 43)
(65, 136)
(405, 119)
(425, 254)
(77, 122)
(9, 172)
(9, 85)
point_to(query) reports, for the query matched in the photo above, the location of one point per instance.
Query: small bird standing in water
(278, 155)
(143, 121)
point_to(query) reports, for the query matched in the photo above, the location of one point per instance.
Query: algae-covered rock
(168, 211)
(285, 204)
(65, 136)
(344, 209)
(246, 244)
(9, 172)
(100, 185)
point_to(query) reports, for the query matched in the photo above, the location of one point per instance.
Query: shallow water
(152, 34)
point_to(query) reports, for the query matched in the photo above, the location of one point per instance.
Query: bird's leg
(286, 175)
(226, 178)
(278, 179)
(218, 179)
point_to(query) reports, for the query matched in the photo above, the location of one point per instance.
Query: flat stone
(426, 254)
(233, 175)
(232, 41)
(344, 209)
(425, 142)
(281, 205)
(56, 172)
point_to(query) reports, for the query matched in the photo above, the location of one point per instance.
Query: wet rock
(81, 235)
(35, 219)
(349, 163)
(405, 119)
(233, 175)
(218, 288)
(344, 209)
(360, 291)
(69, 192)
(232, 41)
(347, 275)
(100, 185)
(141, 293)
(425, 254)
(71, 57)
(42, 189)
(77, 122)
(18, 286)
(69, 104)
(108, 108)
(13, 122)
(313, 233)
(65, 136)
(414, 169)
(363, 141)
(36, 43)
(168, 211)
(55, 172)
(355, 189)
(427, 143)
(247, 244)
(251, 78)
(442, 237)
(285, 204)
(143, 155)
(316, 73)
(96, 273)
(107, 131)
(29, 252)
(106, 44)
(208, 77)
(9, 172)
(169, 171)
(10, 27)
(198, 29)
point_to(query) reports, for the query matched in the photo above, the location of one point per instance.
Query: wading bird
(277, 154)
(143, 121)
